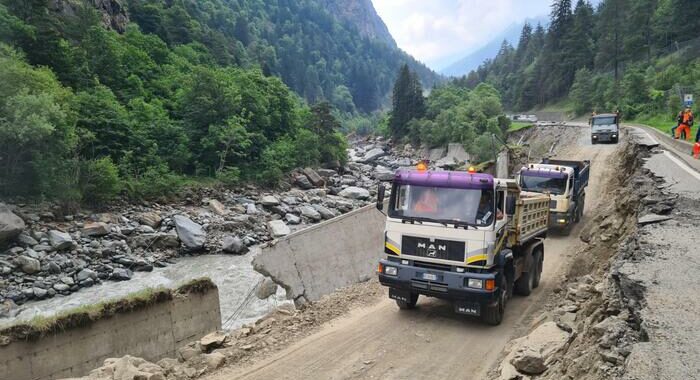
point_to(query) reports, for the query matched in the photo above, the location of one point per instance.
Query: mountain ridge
(472, 60)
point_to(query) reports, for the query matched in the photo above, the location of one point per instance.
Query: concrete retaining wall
(151, 332)
(320, 259)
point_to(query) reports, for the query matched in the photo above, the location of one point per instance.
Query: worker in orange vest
(685, 123)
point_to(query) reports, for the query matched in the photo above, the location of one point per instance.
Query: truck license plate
(429, 276)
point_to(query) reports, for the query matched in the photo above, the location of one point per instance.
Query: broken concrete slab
(652, 218)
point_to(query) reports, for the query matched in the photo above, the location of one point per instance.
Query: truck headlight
(391, 271)
(475, 283)
(614, 135)
(561, 221)
(595, 136)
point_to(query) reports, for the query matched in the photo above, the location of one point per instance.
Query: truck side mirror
(381, 189)
(510, 205)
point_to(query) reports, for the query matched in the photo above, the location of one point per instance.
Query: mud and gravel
(630, 302)
(431, 342)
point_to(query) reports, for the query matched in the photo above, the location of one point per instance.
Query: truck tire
(493, 314)
(403, 305)
(593, 141)
(526, 282)
(579, 210)
(539, 260)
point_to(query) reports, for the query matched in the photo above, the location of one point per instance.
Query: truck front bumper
(559, 219)
(440, 284)
(604, 136)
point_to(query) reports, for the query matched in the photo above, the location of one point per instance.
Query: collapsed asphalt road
(430, 342)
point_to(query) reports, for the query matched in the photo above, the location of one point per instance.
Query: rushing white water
(234, 276)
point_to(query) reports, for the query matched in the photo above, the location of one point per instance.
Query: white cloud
(437, 31)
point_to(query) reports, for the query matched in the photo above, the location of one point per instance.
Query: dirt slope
(431, 342)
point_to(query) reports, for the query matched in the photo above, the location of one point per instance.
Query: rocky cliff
(113, 12)
(362, 15)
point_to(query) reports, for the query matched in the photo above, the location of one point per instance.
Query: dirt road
(430, 342)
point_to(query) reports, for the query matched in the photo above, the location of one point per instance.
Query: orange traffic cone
(696, 150)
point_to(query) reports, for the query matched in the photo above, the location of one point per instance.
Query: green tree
(407, 102)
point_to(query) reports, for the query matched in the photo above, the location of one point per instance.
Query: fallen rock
(26, 240)
(213, 340)
(266, 289)
(60, 240)
(382, 173)
(217, 207)
(214, 360)
(373, 155)
(303, 182)
(86, 274)
(354, 192)
(28, 265)
(151, 219)
(310, 212)
(292, 219)
(324, 212)
(121, 274)
(269, 200)
(313, 177)
(11, 225)
(278, 228)
(233, 244)
(191, 234)
(95, 229)
(530, 354)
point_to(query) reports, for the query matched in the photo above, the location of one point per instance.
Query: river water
(234, 276)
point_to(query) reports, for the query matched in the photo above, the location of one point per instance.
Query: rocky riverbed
(51, 253)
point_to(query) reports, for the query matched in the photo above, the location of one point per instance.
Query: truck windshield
(604, 120)
(443, 205)
(543, 184)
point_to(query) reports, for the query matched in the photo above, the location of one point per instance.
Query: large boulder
(28, 265)
(191, 234)
(95, 229)
(60, 240)
(531, 354)
(269, 200)
(234, 244)
(151, 219)
(303, 182)
(266, 289)
(278, 228)
(354, 192)
(217, 207)
(324, 212)
(313, 177)
(373, 155)
(309, 212)
(11, 225)
(382, 173)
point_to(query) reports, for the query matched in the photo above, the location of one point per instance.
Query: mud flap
(400, 295)
(467, 308)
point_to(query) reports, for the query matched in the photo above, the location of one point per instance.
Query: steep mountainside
(363, 16)
(472, 60)
(323, 49)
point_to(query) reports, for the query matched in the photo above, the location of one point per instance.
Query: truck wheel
(593, 141)
(403, 305)
(539, 260)
(566, 231)
(493, 315)
(526, 282)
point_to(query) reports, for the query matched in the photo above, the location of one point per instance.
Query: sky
(439, 32)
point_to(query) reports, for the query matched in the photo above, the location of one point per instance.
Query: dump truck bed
(531, 217)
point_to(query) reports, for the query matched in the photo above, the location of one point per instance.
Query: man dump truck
(605, 128)
(565, 182)
(465, 237)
